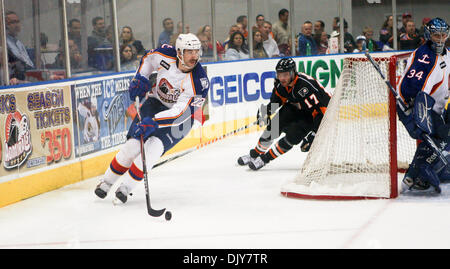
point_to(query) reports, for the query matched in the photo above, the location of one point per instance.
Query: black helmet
(285, 65)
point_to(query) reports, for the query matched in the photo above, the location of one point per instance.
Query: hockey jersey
(182, 93)
(426, 71)
(306, 93)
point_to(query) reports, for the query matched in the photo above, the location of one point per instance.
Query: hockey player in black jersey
(302, 102)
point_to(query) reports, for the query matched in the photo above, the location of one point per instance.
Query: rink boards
(59, 133)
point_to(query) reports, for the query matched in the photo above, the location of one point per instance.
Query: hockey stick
(404, 107)
(213, 140)
(152, 212)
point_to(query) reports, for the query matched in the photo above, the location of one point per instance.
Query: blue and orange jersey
(182, 93)
(426, 71)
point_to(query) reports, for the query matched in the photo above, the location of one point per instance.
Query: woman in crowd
(386, 32)
(127, 38)
(237, 49)
(128, 59)
(258, 49)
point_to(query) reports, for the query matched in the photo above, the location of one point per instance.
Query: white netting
(350, 155)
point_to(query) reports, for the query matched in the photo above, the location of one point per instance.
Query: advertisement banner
(102, 114)
(35, 128)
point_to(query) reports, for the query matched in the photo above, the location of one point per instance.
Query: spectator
(104, 55)
(74, 53)
(74, 32)
(96, 39)
(335, 23)
(319, 27)
(236, 48)
(244, 22)
(180, 30)
(306, 44)
(359, 43)
(259, 21)
(322, 47)
(425, 21)
(241, 27)
(207, 31)
(386, 32)
(258, 47)
(127, 38)
(207, 50)
(270, 45)
(348, 38)
(281, 30)
(371, 44)
(18, 59)
(234, 28)
(411, 39)
(164, 37)
(405, 18)
(128, 60)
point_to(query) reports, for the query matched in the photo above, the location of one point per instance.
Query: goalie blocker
(298, 102)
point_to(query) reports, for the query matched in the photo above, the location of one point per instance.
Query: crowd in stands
(273, 39)
(269, 40)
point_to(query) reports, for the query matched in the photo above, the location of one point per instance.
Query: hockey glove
(145, 128)
(139, 86)
(263, 115)
(306, 143)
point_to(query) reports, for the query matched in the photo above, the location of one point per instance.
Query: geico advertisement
(238, 88)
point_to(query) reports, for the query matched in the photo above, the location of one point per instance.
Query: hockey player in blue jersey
(167, 112)
(424, 86)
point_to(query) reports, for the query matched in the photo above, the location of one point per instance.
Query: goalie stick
(152, 212)
(404, 107)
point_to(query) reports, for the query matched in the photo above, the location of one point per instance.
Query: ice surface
(218, 204)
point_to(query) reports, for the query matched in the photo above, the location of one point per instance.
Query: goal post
(360, 147)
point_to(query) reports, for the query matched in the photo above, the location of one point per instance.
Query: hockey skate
(244, 160)
(256, 164)
(122, 193)
(102, 189)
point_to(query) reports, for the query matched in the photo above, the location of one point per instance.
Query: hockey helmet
(190, 42)
(285, 65)
(437, 26)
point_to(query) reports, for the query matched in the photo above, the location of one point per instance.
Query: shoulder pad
(165, 50)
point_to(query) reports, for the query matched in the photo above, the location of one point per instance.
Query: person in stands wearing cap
(411, 39)
(359, 43)
(405, 18)
(425, 21)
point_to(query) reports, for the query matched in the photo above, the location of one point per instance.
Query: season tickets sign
(35, 128)
(103, 112)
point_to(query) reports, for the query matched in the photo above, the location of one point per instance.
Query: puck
(168, 215)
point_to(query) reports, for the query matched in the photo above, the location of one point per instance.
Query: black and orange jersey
(304, 92)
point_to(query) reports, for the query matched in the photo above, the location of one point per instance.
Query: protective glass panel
(134, 34)
(34, 41)
(90, 28)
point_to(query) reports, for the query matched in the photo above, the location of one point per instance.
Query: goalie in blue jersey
(424, 86)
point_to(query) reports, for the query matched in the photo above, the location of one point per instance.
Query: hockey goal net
(360, 146)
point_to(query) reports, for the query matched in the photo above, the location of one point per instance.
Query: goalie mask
(437, 31)
(188, 42)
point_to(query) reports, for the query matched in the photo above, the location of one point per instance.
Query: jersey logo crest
(303, 92)
(443, 65)
(167, 93)
(424, 59)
